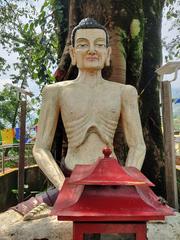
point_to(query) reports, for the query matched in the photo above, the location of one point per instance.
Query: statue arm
(132, 128)
(46, 130)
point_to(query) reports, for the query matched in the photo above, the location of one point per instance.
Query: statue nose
(92, 49)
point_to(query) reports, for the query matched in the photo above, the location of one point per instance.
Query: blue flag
(177, 100)
(17, 135)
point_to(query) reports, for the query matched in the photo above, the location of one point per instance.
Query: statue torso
(90, 116)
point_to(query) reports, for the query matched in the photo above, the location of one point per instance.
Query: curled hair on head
(88, 23)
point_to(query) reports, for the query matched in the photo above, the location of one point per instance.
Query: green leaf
(46, 3)
(26, 27)
(35, 75)
(31, 26)
(15, 191)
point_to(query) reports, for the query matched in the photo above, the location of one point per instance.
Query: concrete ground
(12, 227)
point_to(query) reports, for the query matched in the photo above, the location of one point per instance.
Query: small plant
(27, 192)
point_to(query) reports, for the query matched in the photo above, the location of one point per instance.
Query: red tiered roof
(106, 191)
(107, 171)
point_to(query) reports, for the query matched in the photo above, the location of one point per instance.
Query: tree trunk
(134, 28)
(149, 99)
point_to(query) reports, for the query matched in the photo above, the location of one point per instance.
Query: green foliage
(3, 66)
(29, 31)
(8, 104)
(10, 109)
(172, 12)
(169, 2)
(31, 34)
(27, 192)
(10, 164)
(176, 121)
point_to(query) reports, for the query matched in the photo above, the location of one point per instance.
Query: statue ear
(107, 62)
(72, 54)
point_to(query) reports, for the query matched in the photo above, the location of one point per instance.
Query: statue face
(90, 51)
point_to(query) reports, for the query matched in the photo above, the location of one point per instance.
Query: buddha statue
(90, 107)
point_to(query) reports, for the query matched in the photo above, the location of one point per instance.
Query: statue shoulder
(129, 93)
(49, 91)
(124, 89)
(55, 88)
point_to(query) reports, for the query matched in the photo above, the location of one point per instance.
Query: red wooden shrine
(107, 198)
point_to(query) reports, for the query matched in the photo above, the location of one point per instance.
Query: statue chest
(93, 103)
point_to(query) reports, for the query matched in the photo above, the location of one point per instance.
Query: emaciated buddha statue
(90, 107)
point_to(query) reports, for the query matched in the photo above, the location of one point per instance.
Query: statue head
(89, 23)
(90, 45)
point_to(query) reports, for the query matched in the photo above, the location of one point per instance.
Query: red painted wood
(107, 171)
(108, 203)
(107, 198)
(107, 152)
(80, 228)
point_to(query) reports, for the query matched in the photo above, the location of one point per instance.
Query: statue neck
(90, 78)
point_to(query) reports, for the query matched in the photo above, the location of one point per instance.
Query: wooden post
(22, 151)
(170, 164)
(24, 93)
(3, 159)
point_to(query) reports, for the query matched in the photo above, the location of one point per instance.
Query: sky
(34, 88)
(169, 35)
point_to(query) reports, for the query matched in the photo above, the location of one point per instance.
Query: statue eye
(82, 45)
(100, 45)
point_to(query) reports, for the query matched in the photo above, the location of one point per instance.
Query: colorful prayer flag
(17, 133)
(177, 100)
(7, 136)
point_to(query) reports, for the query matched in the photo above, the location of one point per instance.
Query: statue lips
(92, 58)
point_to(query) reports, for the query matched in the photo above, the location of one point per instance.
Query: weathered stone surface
(14, 228)
(169, 230)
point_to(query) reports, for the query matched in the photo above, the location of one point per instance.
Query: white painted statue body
(90, 108)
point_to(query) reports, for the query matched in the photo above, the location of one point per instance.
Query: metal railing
(6, 157)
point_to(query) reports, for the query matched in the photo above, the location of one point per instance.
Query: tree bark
(149, 100)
